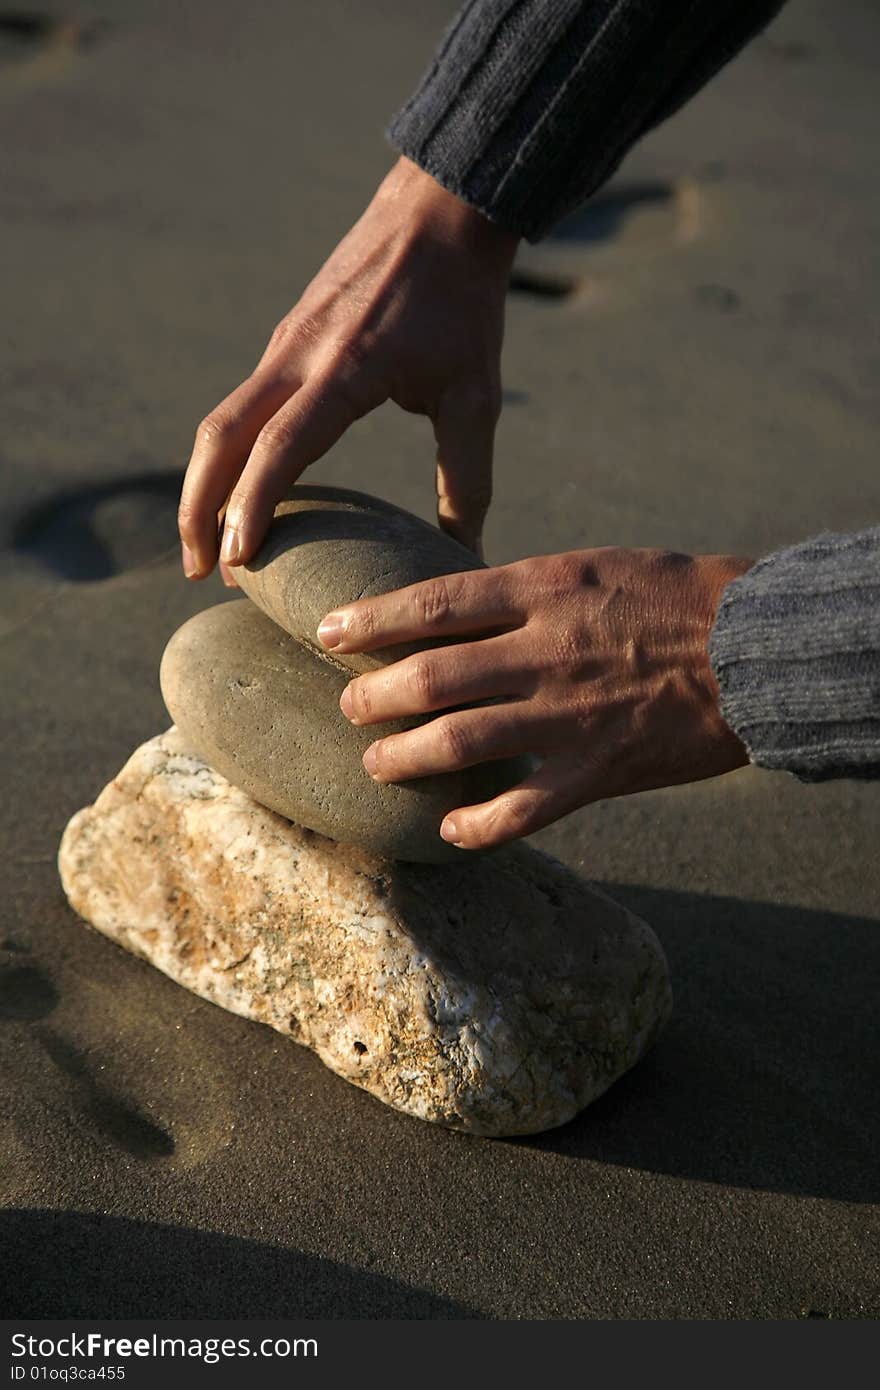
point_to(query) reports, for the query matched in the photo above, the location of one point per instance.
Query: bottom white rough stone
(499, 996)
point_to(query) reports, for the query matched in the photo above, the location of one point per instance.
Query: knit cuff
(796, 652)
(530, 105)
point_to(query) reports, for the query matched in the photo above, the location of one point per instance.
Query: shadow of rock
(766, 1075)
(64, 1264)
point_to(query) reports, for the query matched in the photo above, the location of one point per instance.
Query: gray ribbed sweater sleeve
(530, 105)
(796, 652)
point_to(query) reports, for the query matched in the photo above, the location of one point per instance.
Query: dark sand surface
(165, 192)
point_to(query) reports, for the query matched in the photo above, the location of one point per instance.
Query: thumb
(465, 434)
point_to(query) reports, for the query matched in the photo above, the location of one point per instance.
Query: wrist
(431, 208)
(721, 571)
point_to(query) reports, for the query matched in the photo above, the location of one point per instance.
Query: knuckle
(280, 333)
(303, 329)
(422, 679)
(564, 571)
(352, 356)
(214, 429)
(276, 437)
(454, 741)
(187, 520)
(480, 399)
(509, 818)
(473, 497)
(664, 559)
(433, 601)
(558, 576)
(479, 497)
(287, 332)
(293, 339)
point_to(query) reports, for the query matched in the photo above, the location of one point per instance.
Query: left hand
(409, 308)
(596, 661)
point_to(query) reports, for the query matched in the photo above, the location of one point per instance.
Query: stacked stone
(258, 698)
(248, 855)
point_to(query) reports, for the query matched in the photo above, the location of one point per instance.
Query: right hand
(409, 308)
(596, 661)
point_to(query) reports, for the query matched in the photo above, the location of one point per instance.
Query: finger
(227, 576)
(223, 442)
(465, 434)
(448, 606)
(456, 741)
(300, 433)
(433, 680)
(557, 787)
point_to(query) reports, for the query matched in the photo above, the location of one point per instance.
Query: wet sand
(689, 363)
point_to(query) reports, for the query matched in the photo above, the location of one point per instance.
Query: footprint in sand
(648, 216)
(97, 532)
(33, 40)
(541, 284)
(625, 212)
(27, 995)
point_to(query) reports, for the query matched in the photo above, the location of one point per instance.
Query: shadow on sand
(766, 1075)
(67, 1264)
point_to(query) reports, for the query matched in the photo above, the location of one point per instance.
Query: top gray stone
(329, 546)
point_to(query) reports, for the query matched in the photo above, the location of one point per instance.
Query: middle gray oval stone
(264, 711)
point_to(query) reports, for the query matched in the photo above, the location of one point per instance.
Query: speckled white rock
(498, 996)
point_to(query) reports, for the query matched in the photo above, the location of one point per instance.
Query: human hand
(409, 308)
(596, 661)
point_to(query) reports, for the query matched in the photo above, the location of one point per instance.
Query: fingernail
(331, 630)
(449, 832)
(231, 549)
(346, 705)
(370, 759)
(190, 567)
